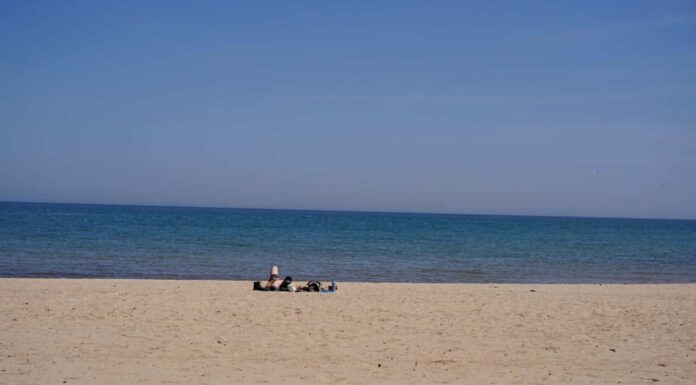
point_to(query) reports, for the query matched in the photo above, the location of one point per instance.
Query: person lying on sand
(276, 284)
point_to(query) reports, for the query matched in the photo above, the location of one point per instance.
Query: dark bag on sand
(257, 286)
(286, 282)
(312, 286)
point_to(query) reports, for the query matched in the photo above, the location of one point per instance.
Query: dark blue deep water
(57, 240)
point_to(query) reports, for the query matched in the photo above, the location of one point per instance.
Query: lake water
(65, 240)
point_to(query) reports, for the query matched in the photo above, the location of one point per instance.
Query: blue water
(56, 240)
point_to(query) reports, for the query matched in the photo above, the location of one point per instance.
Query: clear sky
(502, 107)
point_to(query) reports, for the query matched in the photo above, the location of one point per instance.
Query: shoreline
(328, 280)
(145, 331)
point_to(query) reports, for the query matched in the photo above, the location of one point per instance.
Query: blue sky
(501, 107)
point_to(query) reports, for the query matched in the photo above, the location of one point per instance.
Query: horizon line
(344, 211)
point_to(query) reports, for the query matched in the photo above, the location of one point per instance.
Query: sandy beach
(62, 331)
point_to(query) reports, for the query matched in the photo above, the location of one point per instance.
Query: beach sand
(70, 331)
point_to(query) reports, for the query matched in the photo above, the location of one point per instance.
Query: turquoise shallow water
(56, 240)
